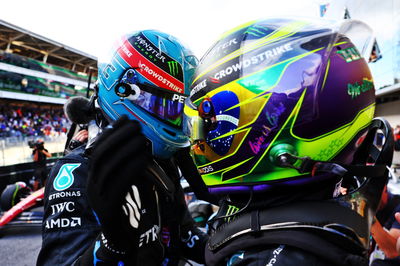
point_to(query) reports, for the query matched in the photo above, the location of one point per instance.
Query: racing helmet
(273, 97)
(147, 78)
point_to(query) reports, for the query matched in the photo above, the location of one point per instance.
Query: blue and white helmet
(148, 79)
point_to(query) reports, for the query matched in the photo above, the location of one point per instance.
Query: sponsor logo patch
(65, 177)
(64, 194)
(149, 236)
(63, 222)
(63, 206)
(355, 89)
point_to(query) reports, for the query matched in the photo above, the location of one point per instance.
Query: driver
(281, 120)
(118, 200)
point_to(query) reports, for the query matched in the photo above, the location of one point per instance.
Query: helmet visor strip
(161, 103)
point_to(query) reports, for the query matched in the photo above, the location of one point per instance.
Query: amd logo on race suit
(63, 222)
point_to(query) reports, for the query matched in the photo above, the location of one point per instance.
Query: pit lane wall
(19, 172)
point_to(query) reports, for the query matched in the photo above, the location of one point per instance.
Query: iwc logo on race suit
(65, 177)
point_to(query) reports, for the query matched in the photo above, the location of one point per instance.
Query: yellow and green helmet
(273, 87)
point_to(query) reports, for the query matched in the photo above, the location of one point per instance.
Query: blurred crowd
(25, 121)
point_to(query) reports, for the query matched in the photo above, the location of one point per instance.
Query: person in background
(397, 216)
(40, 155)
(385, 231)
(397, 138)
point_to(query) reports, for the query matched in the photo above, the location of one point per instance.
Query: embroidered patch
(65, 178)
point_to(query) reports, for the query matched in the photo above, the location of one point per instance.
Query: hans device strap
(328, 218)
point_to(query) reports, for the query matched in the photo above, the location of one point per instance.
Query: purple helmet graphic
(282, 110)
(279, 86)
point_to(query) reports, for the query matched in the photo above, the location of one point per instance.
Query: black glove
(117, 160)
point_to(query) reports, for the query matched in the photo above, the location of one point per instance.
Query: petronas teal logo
(65, 177)
(173, 68)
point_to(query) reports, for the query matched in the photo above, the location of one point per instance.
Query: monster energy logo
(256, 31)
(354, 90)
(349, 54)
(173, 68)
(231, 210)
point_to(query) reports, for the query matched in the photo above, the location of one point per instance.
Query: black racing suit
(262, 235)
(70, 227)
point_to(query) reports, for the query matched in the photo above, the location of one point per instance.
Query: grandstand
(37, 76)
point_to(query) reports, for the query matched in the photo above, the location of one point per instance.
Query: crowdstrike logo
(198, 87)
(254, 60)
(65, 177)
(173, 67)
(159, 77)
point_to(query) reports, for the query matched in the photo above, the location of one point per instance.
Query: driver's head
(147, 79)
(275, 87)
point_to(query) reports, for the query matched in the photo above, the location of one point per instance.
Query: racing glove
(118, 158)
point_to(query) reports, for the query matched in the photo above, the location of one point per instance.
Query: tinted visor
(161, 103)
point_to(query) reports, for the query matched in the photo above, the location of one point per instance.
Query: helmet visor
(161, 103)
